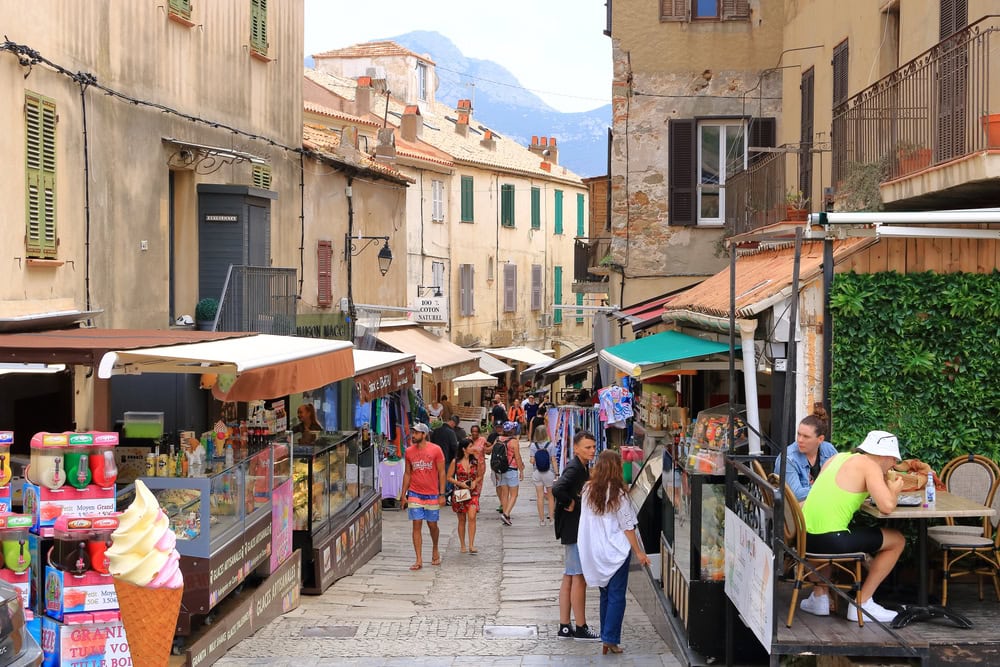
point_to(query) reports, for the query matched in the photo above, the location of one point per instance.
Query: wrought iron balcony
(755, 197)
(587, 257)
(934, 109)
(258, 298)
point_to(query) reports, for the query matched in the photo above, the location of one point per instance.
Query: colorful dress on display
(468, 477)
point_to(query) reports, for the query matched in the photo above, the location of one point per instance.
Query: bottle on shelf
(229, 454)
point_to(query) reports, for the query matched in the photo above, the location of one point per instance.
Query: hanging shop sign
(430, 310)
(383, 381)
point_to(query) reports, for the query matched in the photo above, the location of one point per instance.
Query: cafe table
(947, 506)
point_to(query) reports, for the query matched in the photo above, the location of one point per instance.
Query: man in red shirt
(423, 490)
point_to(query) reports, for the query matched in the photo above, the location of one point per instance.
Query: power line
(530, 90)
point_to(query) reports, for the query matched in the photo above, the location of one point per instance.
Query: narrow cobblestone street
(497, 607)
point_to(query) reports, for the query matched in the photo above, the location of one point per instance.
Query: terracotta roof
(327, 143)
(321, 110)
(760, 278)
(372, 50)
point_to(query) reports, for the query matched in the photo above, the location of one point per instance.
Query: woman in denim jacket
(808, 453)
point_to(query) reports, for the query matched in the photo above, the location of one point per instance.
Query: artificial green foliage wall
(918, 355)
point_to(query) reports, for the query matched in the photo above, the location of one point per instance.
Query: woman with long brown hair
(607, 538)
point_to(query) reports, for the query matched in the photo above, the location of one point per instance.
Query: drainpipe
(747, 329)
(351, 312)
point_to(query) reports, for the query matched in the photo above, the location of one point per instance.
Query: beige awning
(445, 360)
(477, 379)
(492, 365)
(525, 355)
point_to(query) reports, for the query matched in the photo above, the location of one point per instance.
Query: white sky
(555, 48)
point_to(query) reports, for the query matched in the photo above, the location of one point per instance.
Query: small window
(705, 9)
(466, 278)
(180, 9)
(324, 279)
(490, 269)
(421, 81)
(688, 10)
(437, 201)
(558, 226)
(509, 288)
(507, 205)
(557, 293)
(258, 26)
(261, 176)
(536, 208)
(40, 167)
(467, 200)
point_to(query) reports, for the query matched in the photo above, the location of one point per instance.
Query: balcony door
(722, 151)
(952, 76)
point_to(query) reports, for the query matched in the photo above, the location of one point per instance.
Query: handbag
(461, 495)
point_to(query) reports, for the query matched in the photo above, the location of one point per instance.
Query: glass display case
(320, 486)
(258, 474)
(704, 449)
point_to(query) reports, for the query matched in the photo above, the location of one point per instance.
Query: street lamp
(353, 249)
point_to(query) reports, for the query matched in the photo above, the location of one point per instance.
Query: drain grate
(510, 631)
(332, 631)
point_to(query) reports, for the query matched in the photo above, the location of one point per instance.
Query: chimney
(464, 113)
(349, 137)
(386, 149)
(488, 141)
(412, 123)
(545, 148)
(363, 96)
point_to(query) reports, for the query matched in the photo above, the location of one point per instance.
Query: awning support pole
(747, 329)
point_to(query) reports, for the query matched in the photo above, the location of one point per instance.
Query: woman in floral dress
(466, 473)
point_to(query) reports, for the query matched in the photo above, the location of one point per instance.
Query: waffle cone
(150, 619)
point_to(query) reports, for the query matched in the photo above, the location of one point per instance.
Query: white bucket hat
(881, 443)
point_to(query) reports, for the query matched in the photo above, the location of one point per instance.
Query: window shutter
(536, 286)
(324, 277)
(437, 201)
(258, 26)
(181, 8)
(954, 16)
(507, 205)
(579, 313)
(580, 216)
(536, 208)
(675, 10)
(682, 172)
(557, 294)
(841, 55)
(735, 10)
(466, 285)
(558, 226)
(509, 288)
(40, 168)
(763, 133)
(467, 200)
(807, 86)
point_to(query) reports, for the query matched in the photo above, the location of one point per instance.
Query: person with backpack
(506, 464)
(541, 457)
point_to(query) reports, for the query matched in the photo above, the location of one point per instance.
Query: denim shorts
(510, 478)
(572, 558)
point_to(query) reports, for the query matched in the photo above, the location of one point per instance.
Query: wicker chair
(964, 554)
(971, 477)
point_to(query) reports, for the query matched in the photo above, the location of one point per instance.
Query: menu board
(750, 577)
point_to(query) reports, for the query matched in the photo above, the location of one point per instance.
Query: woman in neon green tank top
(842, 485)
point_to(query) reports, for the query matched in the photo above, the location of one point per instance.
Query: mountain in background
(500, 103)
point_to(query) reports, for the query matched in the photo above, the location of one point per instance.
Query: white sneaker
(818, 605)
(541, 522)
(874, 609)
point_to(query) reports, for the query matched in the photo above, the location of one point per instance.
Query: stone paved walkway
(386, 615)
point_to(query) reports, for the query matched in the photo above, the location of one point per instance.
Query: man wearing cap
(845, 481)
(423, 490)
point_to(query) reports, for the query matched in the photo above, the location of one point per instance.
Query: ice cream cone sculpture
(148, 581)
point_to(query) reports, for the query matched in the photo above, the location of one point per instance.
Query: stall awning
(254, 367)
(654, 355)
(540, 371)
(378, 374)
(492, 365)
(525, 355)
(445, 359)
(477, 379)
(577, 365)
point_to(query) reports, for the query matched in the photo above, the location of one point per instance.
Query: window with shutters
(510, 288)
(180, 8)
(581, 227)
(467, 201)
(40, 170)
(258, 27)
(536, 286)
(807, 88)
(466, 289)
(841, 56)
(700, 10)
(536, 208)
(421, 81)
(579, 313)
(507, 205)
(260, 176)
(437, 201)
(558, 225)
(324, 277)
(557, 292)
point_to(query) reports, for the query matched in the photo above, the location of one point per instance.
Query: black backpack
(498, 459)
(543, 460)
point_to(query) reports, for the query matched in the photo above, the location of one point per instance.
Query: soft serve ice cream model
(148, 581)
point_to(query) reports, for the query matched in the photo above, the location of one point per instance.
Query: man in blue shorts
(423, 490)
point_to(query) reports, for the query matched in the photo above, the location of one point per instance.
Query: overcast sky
(556, 48)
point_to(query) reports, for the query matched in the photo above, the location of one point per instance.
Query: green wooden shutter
(181, 8)
(557, 293)
(40, 175)
(579, 313)
(258, 26)
(507, 205)
(580, 227)
(559, 212)
(261, 176)
(467, 201)
(536, 208)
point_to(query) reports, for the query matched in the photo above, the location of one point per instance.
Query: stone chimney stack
(464, 117)
(545, 148)
(412, 123)
(385, 151)
(488, 141)
(363, 96)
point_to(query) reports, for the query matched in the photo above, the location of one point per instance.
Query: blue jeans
(613, 605)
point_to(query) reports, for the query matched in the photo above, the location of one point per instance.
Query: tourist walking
(568, 490)
(466, 475)
(423, 490)
(542, 457)
(506, 463)
(606, 540)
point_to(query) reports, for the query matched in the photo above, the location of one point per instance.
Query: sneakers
(874, 609)
(584, 633)
(818, 605)
(541, 522)
(548, 520)
(565, 631)
(506, 519)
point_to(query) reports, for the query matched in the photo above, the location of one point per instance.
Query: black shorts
(866, 539)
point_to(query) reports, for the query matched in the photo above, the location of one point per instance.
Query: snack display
(148, 581)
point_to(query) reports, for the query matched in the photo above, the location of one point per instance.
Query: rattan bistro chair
(848, 563)
(971, 477)
(978, 555)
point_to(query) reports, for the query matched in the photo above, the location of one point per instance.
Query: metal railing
(931, 110)
(755, 197)
(258, 298)
(587, 254)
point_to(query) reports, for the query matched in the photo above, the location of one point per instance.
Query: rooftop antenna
(472, 96)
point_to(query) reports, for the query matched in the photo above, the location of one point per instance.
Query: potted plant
(796, 206)
(912, 157)
(205, 312)
(860, 188)
(991, 126)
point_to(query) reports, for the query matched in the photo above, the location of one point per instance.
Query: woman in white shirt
(607, 535)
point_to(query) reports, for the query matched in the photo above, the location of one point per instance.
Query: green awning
(657, 354)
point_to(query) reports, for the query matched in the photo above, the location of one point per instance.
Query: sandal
(436, 561)
(473, 550)
(463, 550)
(416, 566)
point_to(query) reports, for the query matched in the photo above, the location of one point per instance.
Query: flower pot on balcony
(991, 126)
(913, 159)
(795, 214)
